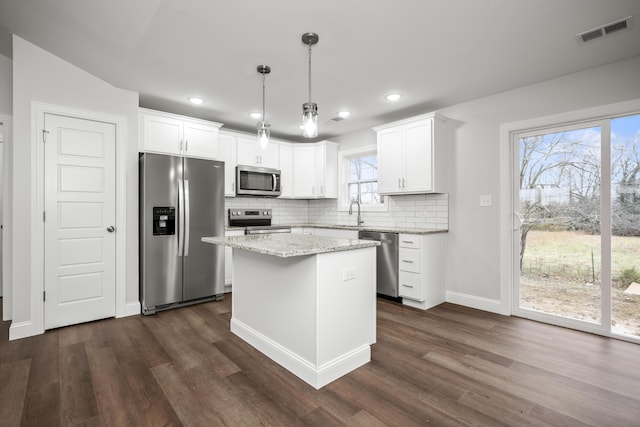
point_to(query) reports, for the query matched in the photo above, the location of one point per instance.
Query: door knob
(111, 229)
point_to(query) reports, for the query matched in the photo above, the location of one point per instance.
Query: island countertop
(285, 245)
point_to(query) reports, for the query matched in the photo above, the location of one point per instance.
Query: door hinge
(44, 296)
(44, 216)
(44, 135)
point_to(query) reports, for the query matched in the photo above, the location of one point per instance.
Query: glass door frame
(603, 326)
(509, 246)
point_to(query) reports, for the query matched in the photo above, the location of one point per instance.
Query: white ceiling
(437, 52)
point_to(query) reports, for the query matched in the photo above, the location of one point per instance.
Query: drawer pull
(407, 261)
(407, 286)
(407, 241)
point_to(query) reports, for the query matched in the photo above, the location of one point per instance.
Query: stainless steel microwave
(257, 181)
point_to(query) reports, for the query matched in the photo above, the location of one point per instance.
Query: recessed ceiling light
(255, 115)
(393, 97)
(196, 100)
(344, 114)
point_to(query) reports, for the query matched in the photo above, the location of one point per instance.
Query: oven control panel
(249, 217)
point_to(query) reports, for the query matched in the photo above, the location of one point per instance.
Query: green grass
(567, 255)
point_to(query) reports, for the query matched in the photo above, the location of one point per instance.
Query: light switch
(485, 200)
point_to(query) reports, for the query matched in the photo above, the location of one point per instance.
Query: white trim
(480, 303)
(21, 330)
(507, 255)
(316, 376)
(7, 218)
(343, 165)
(37, 199)
(130, 308)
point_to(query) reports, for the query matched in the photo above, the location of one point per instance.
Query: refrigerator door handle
(180, 218)
(187, 214)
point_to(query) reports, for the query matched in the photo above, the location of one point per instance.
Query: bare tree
(560, 177)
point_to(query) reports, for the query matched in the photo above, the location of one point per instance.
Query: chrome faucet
(360, 221)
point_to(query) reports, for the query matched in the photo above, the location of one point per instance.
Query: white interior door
(79, 228)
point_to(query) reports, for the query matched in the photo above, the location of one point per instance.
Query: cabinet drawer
(410, 286)
(409, 260)
(409, 241)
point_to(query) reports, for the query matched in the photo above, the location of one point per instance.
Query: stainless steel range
(255, 221)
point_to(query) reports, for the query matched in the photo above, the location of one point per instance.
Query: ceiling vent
(605, 30)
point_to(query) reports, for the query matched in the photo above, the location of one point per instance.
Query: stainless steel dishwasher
(386, 261)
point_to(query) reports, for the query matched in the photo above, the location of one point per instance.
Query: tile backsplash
(412, 211)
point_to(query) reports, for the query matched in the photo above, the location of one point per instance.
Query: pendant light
(263, 126)
(310, 109)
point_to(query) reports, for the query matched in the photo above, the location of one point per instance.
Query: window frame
(344, 156)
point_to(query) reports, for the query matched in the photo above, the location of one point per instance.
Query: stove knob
(266, 213)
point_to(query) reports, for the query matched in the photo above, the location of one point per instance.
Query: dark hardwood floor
(447, 366)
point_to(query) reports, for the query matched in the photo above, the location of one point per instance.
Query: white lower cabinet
(421, 265)
(228, 260)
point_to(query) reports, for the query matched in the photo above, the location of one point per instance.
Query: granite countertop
(285, 245)
(382, 229)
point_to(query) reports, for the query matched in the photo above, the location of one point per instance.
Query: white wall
(6, 85)
(44, 78)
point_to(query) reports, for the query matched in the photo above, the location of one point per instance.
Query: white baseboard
(486, 304)
(316, 376)
(23, 330)
(130, 309)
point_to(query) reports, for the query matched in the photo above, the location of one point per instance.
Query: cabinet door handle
(180, 146)
(322, 189)
(407, 286)
(404, 183)
(399, 183)
(186, 145)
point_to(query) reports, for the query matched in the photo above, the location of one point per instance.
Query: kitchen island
(307, 302)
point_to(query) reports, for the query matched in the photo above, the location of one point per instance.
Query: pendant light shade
(309, 120)
(310, 109)
(263, 126)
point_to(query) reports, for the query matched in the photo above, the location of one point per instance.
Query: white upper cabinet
(167, 133)
(304, 165)
(326, 170)
(227, 153)
(286, 171)
(411, 155)
(250, 153)
(315, 169)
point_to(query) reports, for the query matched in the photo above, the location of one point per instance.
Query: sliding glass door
(625, 225)
(577, 231)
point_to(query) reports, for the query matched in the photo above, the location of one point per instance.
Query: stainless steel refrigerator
(181, 200)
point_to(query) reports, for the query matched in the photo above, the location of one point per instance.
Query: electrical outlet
(485, 201)
(348, 274)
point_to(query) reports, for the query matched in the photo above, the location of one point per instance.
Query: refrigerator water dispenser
(164, 220)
